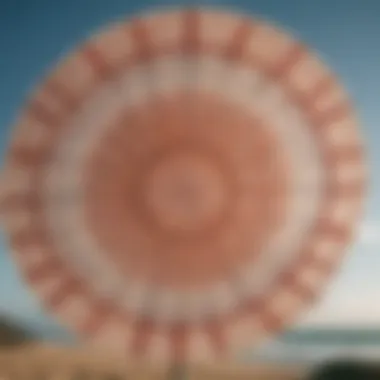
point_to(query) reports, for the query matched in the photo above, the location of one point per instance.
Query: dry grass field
(42, 362)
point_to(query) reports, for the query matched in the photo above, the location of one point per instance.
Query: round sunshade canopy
(183, 184)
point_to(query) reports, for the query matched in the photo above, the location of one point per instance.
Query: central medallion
(185, 192)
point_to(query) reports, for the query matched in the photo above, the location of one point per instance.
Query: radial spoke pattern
(183, 184)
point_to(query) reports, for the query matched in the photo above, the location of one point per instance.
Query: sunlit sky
(36, 33)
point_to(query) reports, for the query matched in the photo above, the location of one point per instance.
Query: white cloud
(369, 234)
(354, 308)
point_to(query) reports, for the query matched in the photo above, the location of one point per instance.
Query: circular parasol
(183, 184)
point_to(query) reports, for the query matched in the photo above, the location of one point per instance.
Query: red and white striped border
(193, 31)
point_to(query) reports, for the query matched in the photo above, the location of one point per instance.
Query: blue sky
(36, 33)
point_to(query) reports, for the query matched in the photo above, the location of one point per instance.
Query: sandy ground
(64, 364)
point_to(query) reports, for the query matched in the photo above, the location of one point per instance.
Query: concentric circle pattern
(183, 184)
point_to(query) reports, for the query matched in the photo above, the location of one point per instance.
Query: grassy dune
(46, 362)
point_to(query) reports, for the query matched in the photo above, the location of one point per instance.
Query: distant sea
(311, 345)
(307, 346)
(301, 345)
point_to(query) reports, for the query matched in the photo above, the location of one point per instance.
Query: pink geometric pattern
(183, 184)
